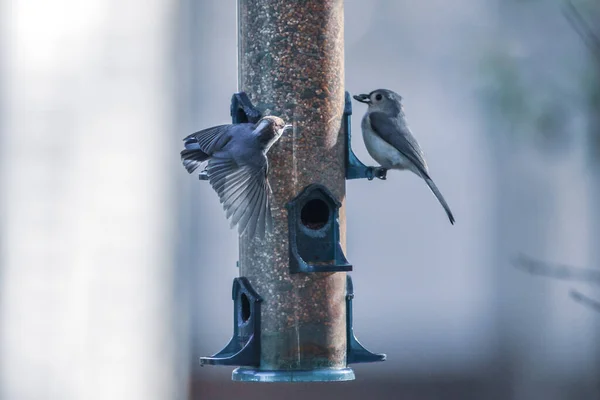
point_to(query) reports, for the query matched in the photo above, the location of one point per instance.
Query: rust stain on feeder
(291, 63)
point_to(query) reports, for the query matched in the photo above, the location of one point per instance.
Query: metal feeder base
(249, 374)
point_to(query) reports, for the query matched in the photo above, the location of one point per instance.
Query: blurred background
(116, 265)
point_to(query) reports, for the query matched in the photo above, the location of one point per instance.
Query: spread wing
(208, 140)
(201, 145)
(244, 192)
(389, 130)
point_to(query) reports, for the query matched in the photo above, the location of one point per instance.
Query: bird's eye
(378, 97)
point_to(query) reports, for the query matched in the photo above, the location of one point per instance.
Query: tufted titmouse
(389, 140)
(237, 168)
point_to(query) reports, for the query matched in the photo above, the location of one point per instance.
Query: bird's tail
(440, 198)
(192, 158)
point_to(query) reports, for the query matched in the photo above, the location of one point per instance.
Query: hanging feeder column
(291, 64)
(293, 299)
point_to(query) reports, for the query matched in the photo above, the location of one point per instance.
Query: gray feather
(440, 198)
(242, 190)
(390, 130)
(210, 140)
(250, 214)
(395, 132)
(260, 221)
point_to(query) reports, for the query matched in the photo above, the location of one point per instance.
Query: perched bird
(389, 140)
(237, 168)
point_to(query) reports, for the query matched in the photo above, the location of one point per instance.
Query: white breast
(381, 151)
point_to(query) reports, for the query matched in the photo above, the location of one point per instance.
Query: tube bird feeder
(293, 299)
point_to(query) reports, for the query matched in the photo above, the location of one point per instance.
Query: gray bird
(389, 140)
(237, 169)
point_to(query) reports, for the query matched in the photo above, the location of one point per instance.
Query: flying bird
(390, 141)
(237, 169)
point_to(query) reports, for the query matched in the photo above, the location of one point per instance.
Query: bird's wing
(243, 190)
(201, 145)
(209, 140)
(390, 131)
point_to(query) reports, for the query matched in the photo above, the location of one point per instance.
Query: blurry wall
(546, 343)
(88, 230)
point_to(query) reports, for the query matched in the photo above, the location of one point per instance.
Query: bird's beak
(285, 127)
(363, 98)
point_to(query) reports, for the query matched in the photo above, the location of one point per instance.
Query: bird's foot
(376, 172)
(381, 173)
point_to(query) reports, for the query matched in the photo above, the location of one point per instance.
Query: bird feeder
(293, 297)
